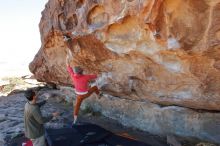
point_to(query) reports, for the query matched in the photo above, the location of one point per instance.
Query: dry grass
(13, 81)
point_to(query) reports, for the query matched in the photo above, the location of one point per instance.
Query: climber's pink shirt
(80, 81)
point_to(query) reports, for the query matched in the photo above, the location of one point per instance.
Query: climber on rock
(81, 83)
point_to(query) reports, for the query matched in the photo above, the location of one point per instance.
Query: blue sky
(19, 31)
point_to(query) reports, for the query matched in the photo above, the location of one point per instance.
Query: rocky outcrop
(160, 51)
(165, 51)
(159, 120)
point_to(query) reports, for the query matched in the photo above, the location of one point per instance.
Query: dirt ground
(11, 122)
(12, 128)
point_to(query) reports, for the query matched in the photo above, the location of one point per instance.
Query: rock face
(159, 120)
(163, 51)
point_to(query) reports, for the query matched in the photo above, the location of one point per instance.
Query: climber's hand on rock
(66, 37)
